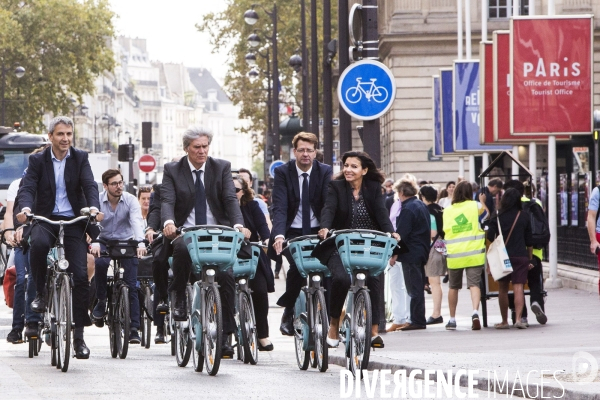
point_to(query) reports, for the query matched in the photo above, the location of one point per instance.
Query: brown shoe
(396, 327)
(476, 325)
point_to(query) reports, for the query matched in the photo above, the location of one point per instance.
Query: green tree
(229, 34)
(63, 46)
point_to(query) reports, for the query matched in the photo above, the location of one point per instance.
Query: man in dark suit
(62, 174)
(199, 190)
(299, 192)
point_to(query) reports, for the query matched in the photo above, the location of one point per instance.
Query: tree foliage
(63, 46)
(229, 34)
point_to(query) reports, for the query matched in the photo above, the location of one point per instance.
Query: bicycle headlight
(121, 271)
(63, 264)
(242, 281)
(316, 278)
(361, 276)
(210, 272)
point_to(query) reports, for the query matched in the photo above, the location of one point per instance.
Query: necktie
(305, 206)
(200, 208)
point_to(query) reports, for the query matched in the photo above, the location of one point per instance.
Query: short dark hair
(247, 171)
(109, 174)
(307, 137)
(450, 183)
(515, 184)
(373, 173)
(429, 193)
(496, 182)
(143, 189)
(248, 194)
(510, 199)
(462, 192)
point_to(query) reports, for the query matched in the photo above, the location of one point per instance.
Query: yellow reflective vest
(465, 241)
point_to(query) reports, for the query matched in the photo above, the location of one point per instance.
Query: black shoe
(134, 337)
(163, 307)
(32, 330)
(268, 347)
(446, 279)
(81, 350)
(160, 335)
(226, 351)
(15, 336)
(287, 324)
(180, 311)
(433, 321)
(100, 310)
(412, 327)
(38, 305)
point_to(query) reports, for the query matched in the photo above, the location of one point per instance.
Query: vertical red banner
(486, 87)
(551, 75)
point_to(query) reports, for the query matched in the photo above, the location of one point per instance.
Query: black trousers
(182, 267)
(161, 250)
(295, 281)
(260, 299)
(535, 281)
(340, 283)
(42, 239)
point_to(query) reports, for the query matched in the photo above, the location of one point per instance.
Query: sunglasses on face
(237, 190)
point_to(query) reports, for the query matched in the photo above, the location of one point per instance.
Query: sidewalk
(518, 356)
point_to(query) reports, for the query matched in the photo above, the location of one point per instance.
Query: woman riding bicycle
(263, 281)
(354, 201)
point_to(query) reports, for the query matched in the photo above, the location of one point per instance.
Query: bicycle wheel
(114, 338)
(320, 329)
(38, 348)
(63, 323)
(380, 95)
(302, 356)
(248, 324)
(32, 347)
(212, 329)
(122, 321)
(149, 309)
(360, 340)
(183, 342)
(353, 95)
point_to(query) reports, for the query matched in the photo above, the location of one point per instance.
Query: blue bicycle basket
(365, 251)
(247, 268)
(52, 256)
(212, 246)
(301, 253)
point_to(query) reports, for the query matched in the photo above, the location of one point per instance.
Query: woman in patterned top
(354, 201)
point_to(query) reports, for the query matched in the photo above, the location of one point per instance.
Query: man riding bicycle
(123, 220)
(198, 190)
(58, 184)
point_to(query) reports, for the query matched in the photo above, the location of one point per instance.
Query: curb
(482, 382)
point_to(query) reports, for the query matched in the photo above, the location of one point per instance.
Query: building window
(502, 9)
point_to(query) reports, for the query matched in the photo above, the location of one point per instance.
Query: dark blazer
(286, 195)
(153, 218)
(82, 190)
(337, 213)
(178, 192)
(256, 222)
(414, 227)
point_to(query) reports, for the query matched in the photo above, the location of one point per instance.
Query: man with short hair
(388, 186)
(299, 191)
(198, 190)
(62, 176)
(491, 194)
(123, 221)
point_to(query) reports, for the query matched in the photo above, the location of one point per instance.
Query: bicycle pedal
(303, 318)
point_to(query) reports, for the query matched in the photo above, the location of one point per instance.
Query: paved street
(572, 327)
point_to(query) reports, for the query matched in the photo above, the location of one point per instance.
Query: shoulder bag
(497, 256)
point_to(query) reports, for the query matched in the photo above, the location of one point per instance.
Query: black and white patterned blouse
(360, 215)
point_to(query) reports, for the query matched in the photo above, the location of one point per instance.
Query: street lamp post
(82, 108)
(19, 72)
(251, 18)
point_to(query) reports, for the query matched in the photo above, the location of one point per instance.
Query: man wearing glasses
(122, 221)
(299, 192)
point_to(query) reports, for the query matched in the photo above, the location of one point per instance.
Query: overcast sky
(169, 28)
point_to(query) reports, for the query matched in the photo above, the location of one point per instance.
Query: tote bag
(497, 255)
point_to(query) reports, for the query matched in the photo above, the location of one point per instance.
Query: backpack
(540, 229)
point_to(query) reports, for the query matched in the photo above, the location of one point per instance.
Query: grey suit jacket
(178, 192)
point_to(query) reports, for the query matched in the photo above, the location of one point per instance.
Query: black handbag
(118, 249)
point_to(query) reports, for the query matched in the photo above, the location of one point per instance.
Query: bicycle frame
(358, 283)
(199, 322)
(304, 310)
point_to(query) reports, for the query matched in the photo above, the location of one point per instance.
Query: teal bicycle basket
(365, 251)
(247, 268)
(213, 246)
(301, 251)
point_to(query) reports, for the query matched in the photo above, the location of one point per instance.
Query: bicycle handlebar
(344, 231)
(32, 217)
(3, 238)
(182, 229)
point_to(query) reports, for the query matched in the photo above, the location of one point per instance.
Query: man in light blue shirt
(122, 221)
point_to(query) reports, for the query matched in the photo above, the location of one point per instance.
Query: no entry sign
(147, 163)
(551, 75)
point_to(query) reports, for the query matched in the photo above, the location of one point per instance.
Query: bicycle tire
(149, 309)
(39, 342)
(32, 347)
(183, 342)
(248, 329)
(302, 356)
(360, 340)
(63, 320)
(212, 329)
(350, 97)
(382, 91)
(123, 321)
(320, 329)
(52, 327)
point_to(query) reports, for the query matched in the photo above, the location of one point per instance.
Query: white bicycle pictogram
(379, 94)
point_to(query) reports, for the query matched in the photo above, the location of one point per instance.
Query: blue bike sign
(366, 89)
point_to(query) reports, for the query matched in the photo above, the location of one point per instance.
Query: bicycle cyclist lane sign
(366, 89)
